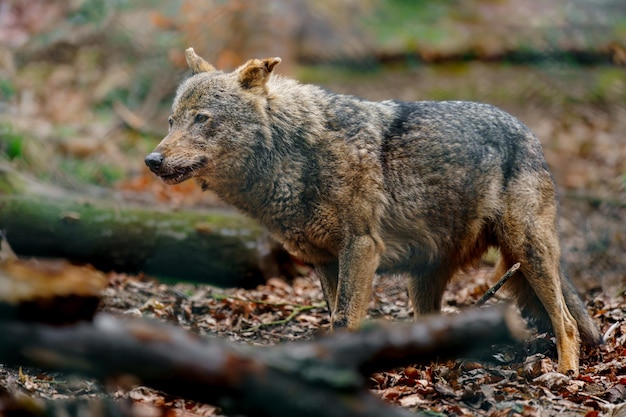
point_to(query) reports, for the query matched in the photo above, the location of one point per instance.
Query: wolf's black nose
(154, 160)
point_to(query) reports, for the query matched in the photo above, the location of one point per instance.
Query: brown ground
(510, 382)
(585, 147)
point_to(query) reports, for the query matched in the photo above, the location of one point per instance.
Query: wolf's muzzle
(154, 161)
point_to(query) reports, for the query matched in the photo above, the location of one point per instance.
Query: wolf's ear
(197, 63)
(256, 72)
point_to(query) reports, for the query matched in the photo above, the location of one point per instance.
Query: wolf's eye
(170, 121)
(200, 118)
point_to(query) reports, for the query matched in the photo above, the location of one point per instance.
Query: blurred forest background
(86, 85)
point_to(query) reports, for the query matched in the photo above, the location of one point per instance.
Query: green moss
(609, 85)
(7, 89)
(396, 20)
(218, 247)
(91, 172)
(11, 142)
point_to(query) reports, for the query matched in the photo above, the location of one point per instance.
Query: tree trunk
(324, 377)
(219, 247)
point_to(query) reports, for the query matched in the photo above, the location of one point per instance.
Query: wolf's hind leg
(533, 241)
(426, 287)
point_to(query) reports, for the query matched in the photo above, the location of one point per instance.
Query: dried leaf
(552, 380)
(617, 394)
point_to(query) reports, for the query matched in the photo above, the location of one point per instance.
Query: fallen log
(47, 321)
(219, 247)
(323, 377)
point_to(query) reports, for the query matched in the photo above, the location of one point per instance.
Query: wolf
(354, 187)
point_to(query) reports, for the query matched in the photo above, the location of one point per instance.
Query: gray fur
(353, 186)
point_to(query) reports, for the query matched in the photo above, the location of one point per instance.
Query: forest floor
(584, 146)
(86, 103)
(509, 381)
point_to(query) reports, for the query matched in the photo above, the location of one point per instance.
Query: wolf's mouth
(178, 176)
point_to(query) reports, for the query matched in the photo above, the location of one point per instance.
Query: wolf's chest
(313, 238)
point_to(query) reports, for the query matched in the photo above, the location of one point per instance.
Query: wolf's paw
(339, 321)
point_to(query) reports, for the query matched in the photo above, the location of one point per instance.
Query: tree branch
(324, 377)
(504, 278)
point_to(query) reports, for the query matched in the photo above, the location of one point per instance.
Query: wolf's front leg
(328, 273)
(358, 261)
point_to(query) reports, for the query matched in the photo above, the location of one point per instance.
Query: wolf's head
(218, 119)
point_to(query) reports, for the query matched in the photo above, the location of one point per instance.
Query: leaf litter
(507, 382)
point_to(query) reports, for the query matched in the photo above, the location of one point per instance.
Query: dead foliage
(506, 381)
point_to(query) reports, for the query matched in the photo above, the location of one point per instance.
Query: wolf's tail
(589, 333)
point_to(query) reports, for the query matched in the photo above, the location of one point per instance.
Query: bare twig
(498, 285)
(6, 253)
(611, 330)
(222, 297)
(131, 119)
(297, 310)
(134, 121)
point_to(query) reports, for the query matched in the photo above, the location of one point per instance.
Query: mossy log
(220, 247)
(320, 377)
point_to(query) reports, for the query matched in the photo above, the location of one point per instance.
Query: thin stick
(498, 285)
(221, 297)
(293, 315)
(610, 331)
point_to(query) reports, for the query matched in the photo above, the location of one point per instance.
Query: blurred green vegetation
(10, 142)
(395, 21)
(86, 86)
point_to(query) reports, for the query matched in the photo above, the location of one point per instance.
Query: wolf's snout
(154, 160)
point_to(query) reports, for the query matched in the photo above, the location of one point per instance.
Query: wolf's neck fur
(305, 125)
(287, 142)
